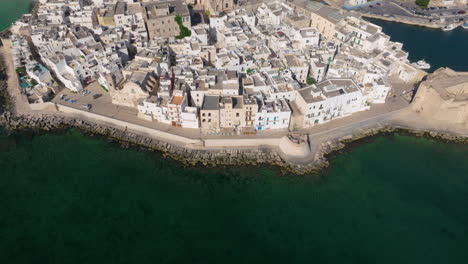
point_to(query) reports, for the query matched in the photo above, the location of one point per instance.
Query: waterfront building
(274, 114)
(328, 100)
(237, 112)
(209, 114)
(174, 110)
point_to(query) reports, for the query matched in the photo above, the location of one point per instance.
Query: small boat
(465, 26)
(449, 27)
(422, 64)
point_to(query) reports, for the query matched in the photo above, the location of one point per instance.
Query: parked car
(87, 106)
(85, 92)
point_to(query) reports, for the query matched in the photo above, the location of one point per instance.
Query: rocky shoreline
(128, 139)
(207, 157)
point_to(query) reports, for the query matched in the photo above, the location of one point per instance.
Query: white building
(274, 114)
(328, 100)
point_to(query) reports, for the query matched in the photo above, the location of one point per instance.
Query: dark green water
(67, 198)
(439, 48)
(10, 10)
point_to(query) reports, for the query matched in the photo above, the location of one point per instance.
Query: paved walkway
(103, 106)
(20, 100)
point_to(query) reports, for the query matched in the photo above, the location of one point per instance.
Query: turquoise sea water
(439, 48)
(68, 198)
(10, 10)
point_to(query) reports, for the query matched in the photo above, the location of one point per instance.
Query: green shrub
(310, 80)
(184, 31)
(21, 70)
(423, 3)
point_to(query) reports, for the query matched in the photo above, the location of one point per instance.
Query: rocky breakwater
(188, 155)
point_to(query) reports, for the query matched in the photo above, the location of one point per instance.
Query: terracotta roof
(177, 100)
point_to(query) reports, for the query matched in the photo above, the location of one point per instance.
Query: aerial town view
(233, 87)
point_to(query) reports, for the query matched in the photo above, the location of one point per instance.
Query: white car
(87, 106)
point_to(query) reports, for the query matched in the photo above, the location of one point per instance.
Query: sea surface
(439, 48)
(10, 10)
(71, 198)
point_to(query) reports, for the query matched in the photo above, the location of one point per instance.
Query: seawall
(401, 19)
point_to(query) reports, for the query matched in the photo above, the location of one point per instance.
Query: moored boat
(465, 26)
(422, 64)
(449, 27)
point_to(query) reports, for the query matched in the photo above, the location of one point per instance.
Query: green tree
(423, 3)
(184, 31)
(310, 80)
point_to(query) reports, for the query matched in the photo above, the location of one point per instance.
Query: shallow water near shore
(74, 198)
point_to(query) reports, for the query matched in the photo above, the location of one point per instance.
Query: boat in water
(465, 26)
(449, 27)
(422, 64)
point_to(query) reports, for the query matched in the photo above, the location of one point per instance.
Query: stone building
(161, 18)
(209, 113)
(132, 89)
(237, 112)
